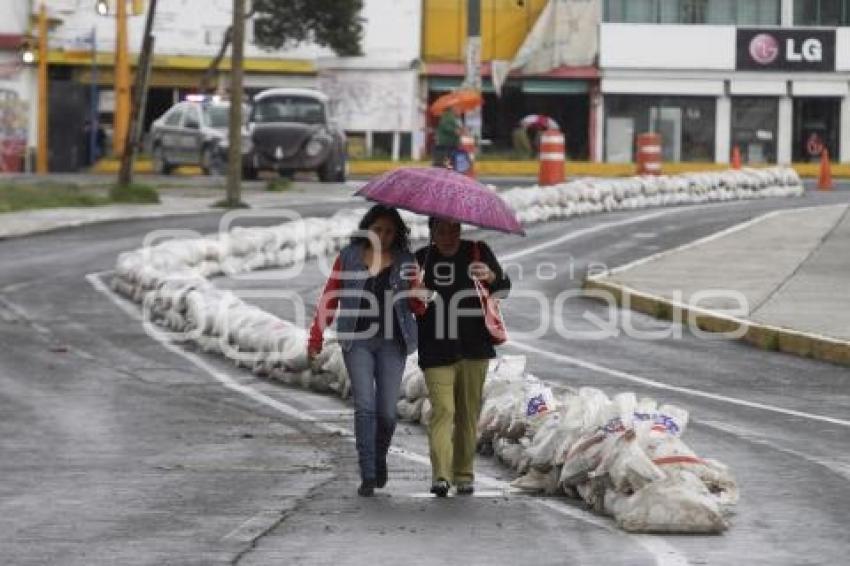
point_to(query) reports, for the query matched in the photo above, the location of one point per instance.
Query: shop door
(816, 126)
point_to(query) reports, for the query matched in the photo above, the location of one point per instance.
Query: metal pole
(42, 148)
(93, 120)
(140, 97)
(234, 158)
(122, 81)
(473, 62)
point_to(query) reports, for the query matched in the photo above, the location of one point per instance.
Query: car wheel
(249, 173)
(161, 165)
(329, 171)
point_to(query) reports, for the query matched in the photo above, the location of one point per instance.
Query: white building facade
(188, 35)
(769, 77)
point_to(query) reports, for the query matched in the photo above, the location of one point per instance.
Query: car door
(169, 138)
(190, 135)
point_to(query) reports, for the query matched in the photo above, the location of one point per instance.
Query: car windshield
(217, 116)
(289, 109)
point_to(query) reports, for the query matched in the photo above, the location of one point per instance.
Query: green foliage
(134, 193)
(25, 196)
(331, 23)
(278, 184)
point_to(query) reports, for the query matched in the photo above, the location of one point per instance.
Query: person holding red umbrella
(447, 136)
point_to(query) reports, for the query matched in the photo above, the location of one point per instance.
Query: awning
(528, 86)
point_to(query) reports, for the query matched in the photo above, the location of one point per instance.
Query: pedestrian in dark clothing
(447, 136)
(455, 349)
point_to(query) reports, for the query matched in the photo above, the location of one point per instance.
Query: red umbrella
(464, 100)
(540, 121)
(443, 193)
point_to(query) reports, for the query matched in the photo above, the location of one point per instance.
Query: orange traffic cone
(825, 177)
(736, 157)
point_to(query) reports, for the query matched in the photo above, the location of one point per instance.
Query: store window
(816, 127)
(686, 125)
(754, 128)
(821, 12)
(725, 12)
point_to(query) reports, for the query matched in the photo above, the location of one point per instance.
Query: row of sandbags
(171, 281)
(591, 196)
(623, 456)
(245, 249)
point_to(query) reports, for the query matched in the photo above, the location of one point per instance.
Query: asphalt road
(116, 450)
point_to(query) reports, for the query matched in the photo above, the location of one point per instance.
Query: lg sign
(786, 50)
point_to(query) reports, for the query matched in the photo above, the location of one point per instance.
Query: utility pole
(472, 79)
(234, 157)
(42, 148)
(140, 99)
(122, 81)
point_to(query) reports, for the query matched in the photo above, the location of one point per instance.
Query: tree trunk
(234, 170)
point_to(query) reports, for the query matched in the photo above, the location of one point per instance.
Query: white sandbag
(679, 503)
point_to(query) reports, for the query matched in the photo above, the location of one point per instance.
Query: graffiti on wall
(14, 117)
(365, 100)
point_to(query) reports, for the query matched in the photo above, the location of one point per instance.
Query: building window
(754, 128)
(723, 12)
(821, 12)
(686, 125)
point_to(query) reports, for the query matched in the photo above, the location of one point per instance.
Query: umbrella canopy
(540, 121)
(443, 193)
(464, 100)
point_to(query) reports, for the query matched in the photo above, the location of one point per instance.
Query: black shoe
(465, 488)
(381, 472)
(440, 488)
(366, 489)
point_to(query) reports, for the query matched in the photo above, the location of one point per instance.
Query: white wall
(195, 28)
(637, 46)
(14, 16)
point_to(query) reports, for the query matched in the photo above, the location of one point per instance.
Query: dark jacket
(447, 334)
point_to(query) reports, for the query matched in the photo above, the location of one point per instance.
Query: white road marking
(586, 232)
(667, 387)
(662, 552)
(254, 527)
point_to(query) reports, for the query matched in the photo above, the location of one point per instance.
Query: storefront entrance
(755, 123)
(816, 126)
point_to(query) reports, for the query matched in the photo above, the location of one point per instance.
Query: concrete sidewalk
(174, 202)
(787, 272)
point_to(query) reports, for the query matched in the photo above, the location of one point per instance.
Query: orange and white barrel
(552, 152)
(649, 154)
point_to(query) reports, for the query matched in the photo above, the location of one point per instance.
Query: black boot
(366, 489)
(381, 472)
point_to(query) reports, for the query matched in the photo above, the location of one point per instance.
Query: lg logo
(764, 49)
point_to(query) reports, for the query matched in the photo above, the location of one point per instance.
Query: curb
(507, 168)
(764, 336)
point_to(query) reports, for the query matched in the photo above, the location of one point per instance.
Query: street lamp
(27, 51)
(102, 8)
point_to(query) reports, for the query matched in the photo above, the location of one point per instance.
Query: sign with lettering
(786, 50)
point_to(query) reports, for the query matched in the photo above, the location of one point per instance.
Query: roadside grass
(134, 193)
(19, 196)
(26, 196)
(278, 184)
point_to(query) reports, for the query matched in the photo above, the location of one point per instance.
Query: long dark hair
(402, 232)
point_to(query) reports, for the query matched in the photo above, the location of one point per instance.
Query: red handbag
(493, 320)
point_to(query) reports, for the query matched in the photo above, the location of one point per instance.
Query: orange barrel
(551, 158)
(467, 144)
(649, 154)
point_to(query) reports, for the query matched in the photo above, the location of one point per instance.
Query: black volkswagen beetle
(289, 131)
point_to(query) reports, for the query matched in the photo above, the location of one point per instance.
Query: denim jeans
(375, 367)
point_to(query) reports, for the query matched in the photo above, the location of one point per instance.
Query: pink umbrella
(443, 193)
(539, 121)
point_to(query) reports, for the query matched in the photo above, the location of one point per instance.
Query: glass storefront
(816, 127)
(754, 128)
(686, 125)
(821, 12)
(728, 12)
